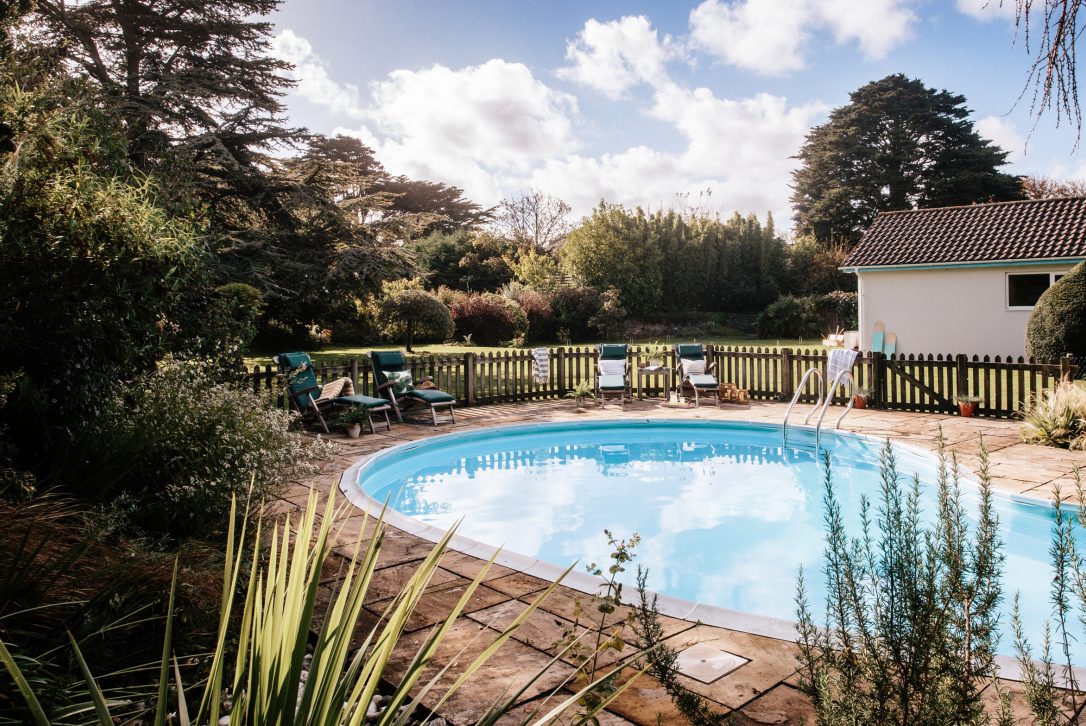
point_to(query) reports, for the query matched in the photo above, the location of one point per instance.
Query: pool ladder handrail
(795, 397)
(839, 380)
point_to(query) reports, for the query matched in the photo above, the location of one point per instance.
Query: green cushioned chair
(696, 384)
(305, 391)
(613, 373)
(388, 369)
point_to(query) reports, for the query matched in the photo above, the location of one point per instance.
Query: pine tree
(897, 145)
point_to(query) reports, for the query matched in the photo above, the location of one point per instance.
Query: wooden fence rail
(925, 383)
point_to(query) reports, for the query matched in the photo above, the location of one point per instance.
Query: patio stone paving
(759, 691)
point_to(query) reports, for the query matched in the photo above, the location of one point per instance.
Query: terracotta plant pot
(354, 430)
(859, 401)
(967, 408)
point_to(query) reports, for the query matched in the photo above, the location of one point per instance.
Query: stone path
(761, 690)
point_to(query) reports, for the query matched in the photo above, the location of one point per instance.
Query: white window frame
(1007, 286)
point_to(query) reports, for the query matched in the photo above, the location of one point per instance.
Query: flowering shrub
(180, 445)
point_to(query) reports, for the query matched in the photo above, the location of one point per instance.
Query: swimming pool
(726, 513)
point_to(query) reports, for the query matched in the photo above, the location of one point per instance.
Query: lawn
(339, 353)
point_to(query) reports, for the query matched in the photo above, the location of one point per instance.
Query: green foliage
(239, 307)
(438, 256)
(581, 392)
(611, 315)
(539, 309)
(489, 319)
(537, 270)
(911, 611)
(896, 145)
(1057, 325)
(574, 307)
(414, 314)
(1057, 417)
(181, 445)
(813, 269)
(355, 415)
(838, 310)
(789, 317)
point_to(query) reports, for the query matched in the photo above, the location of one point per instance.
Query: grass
(339, 353)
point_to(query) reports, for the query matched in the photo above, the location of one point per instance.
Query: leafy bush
(416, 314)
(489, 319)
(1057, 417)
(911, 610)
(838, 310)
(1057, 325)
(574, 307)
(611, 315)
(180, 445)
(537, 306)
(789, 317)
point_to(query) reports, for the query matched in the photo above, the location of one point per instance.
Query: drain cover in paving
(704, 663)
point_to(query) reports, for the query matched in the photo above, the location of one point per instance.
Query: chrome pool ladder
(825, 398)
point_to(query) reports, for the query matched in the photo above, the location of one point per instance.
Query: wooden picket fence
(924, 383)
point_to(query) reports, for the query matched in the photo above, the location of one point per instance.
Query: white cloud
(313, 82)
(614, 56)
(770, 37)
(1004, 134)
(987, 9)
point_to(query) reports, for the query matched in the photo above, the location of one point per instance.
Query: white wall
(958, 310)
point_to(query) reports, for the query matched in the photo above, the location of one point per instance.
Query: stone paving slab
(760, 692)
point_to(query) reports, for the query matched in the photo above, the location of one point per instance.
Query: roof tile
(1027, 230)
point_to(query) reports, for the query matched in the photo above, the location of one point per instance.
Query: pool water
(726, 514)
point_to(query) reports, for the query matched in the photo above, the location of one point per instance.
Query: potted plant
(656, 353)
(967, 405)
(860, 398)
(581, 392)
(353, 418)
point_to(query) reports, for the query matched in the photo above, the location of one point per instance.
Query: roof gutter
(959, 265)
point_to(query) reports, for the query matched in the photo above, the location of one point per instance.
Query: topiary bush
(412, 314)
(1058, 323)
(489, 319)
(178, 444)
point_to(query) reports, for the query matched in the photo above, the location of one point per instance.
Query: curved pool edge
(668, 605)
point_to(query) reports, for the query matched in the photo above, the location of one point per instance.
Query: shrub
(789, 317)
(449, 296)
(414, 313)
(1057, 417)
(537, 306)
(609, 318)
(1058, 323)
(574, 307)
(180, 445)
(838, 310)
(489, 319)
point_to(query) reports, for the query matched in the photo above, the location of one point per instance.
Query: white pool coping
(675, 607)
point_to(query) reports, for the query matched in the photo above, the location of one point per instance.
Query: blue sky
(641, 102)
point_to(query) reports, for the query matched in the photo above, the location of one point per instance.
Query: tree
(534, 221)
(438, 256)
(896, 145)
(1042, 187)
(1057, 325)
(485, 266)
(412, 313)
(1053, 75)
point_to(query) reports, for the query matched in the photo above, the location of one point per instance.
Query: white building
(964, 279)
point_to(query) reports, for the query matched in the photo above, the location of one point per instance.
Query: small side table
(654, 371)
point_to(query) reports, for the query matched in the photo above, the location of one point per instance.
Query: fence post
(1065, 368)
(962, 375)
(469, 378)
(560, 365)
(878, 377)
(787, 384)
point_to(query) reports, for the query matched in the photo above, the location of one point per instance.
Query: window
(1023, 289)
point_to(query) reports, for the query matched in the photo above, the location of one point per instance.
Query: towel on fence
(693, 367)
(336, 388)
(840, 360)
(613, 367)
(541, 365)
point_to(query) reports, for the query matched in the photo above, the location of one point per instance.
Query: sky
(653, 104)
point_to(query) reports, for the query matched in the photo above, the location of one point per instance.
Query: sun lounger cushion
(693, 367)
(358, 400)
(612, 383)
(703, 381)
(430, 395)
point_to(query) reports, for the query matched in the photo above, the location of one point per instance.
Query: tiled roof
(1030, 230)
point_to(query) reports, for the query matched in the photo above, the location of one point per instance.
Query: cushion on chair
(693, 367)
(691, 351)
(612, 383)
(613, 351)
(703, 382)
(359, 400)
(402, 382)
(612, 367)
(430, 395)
(387, 359)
